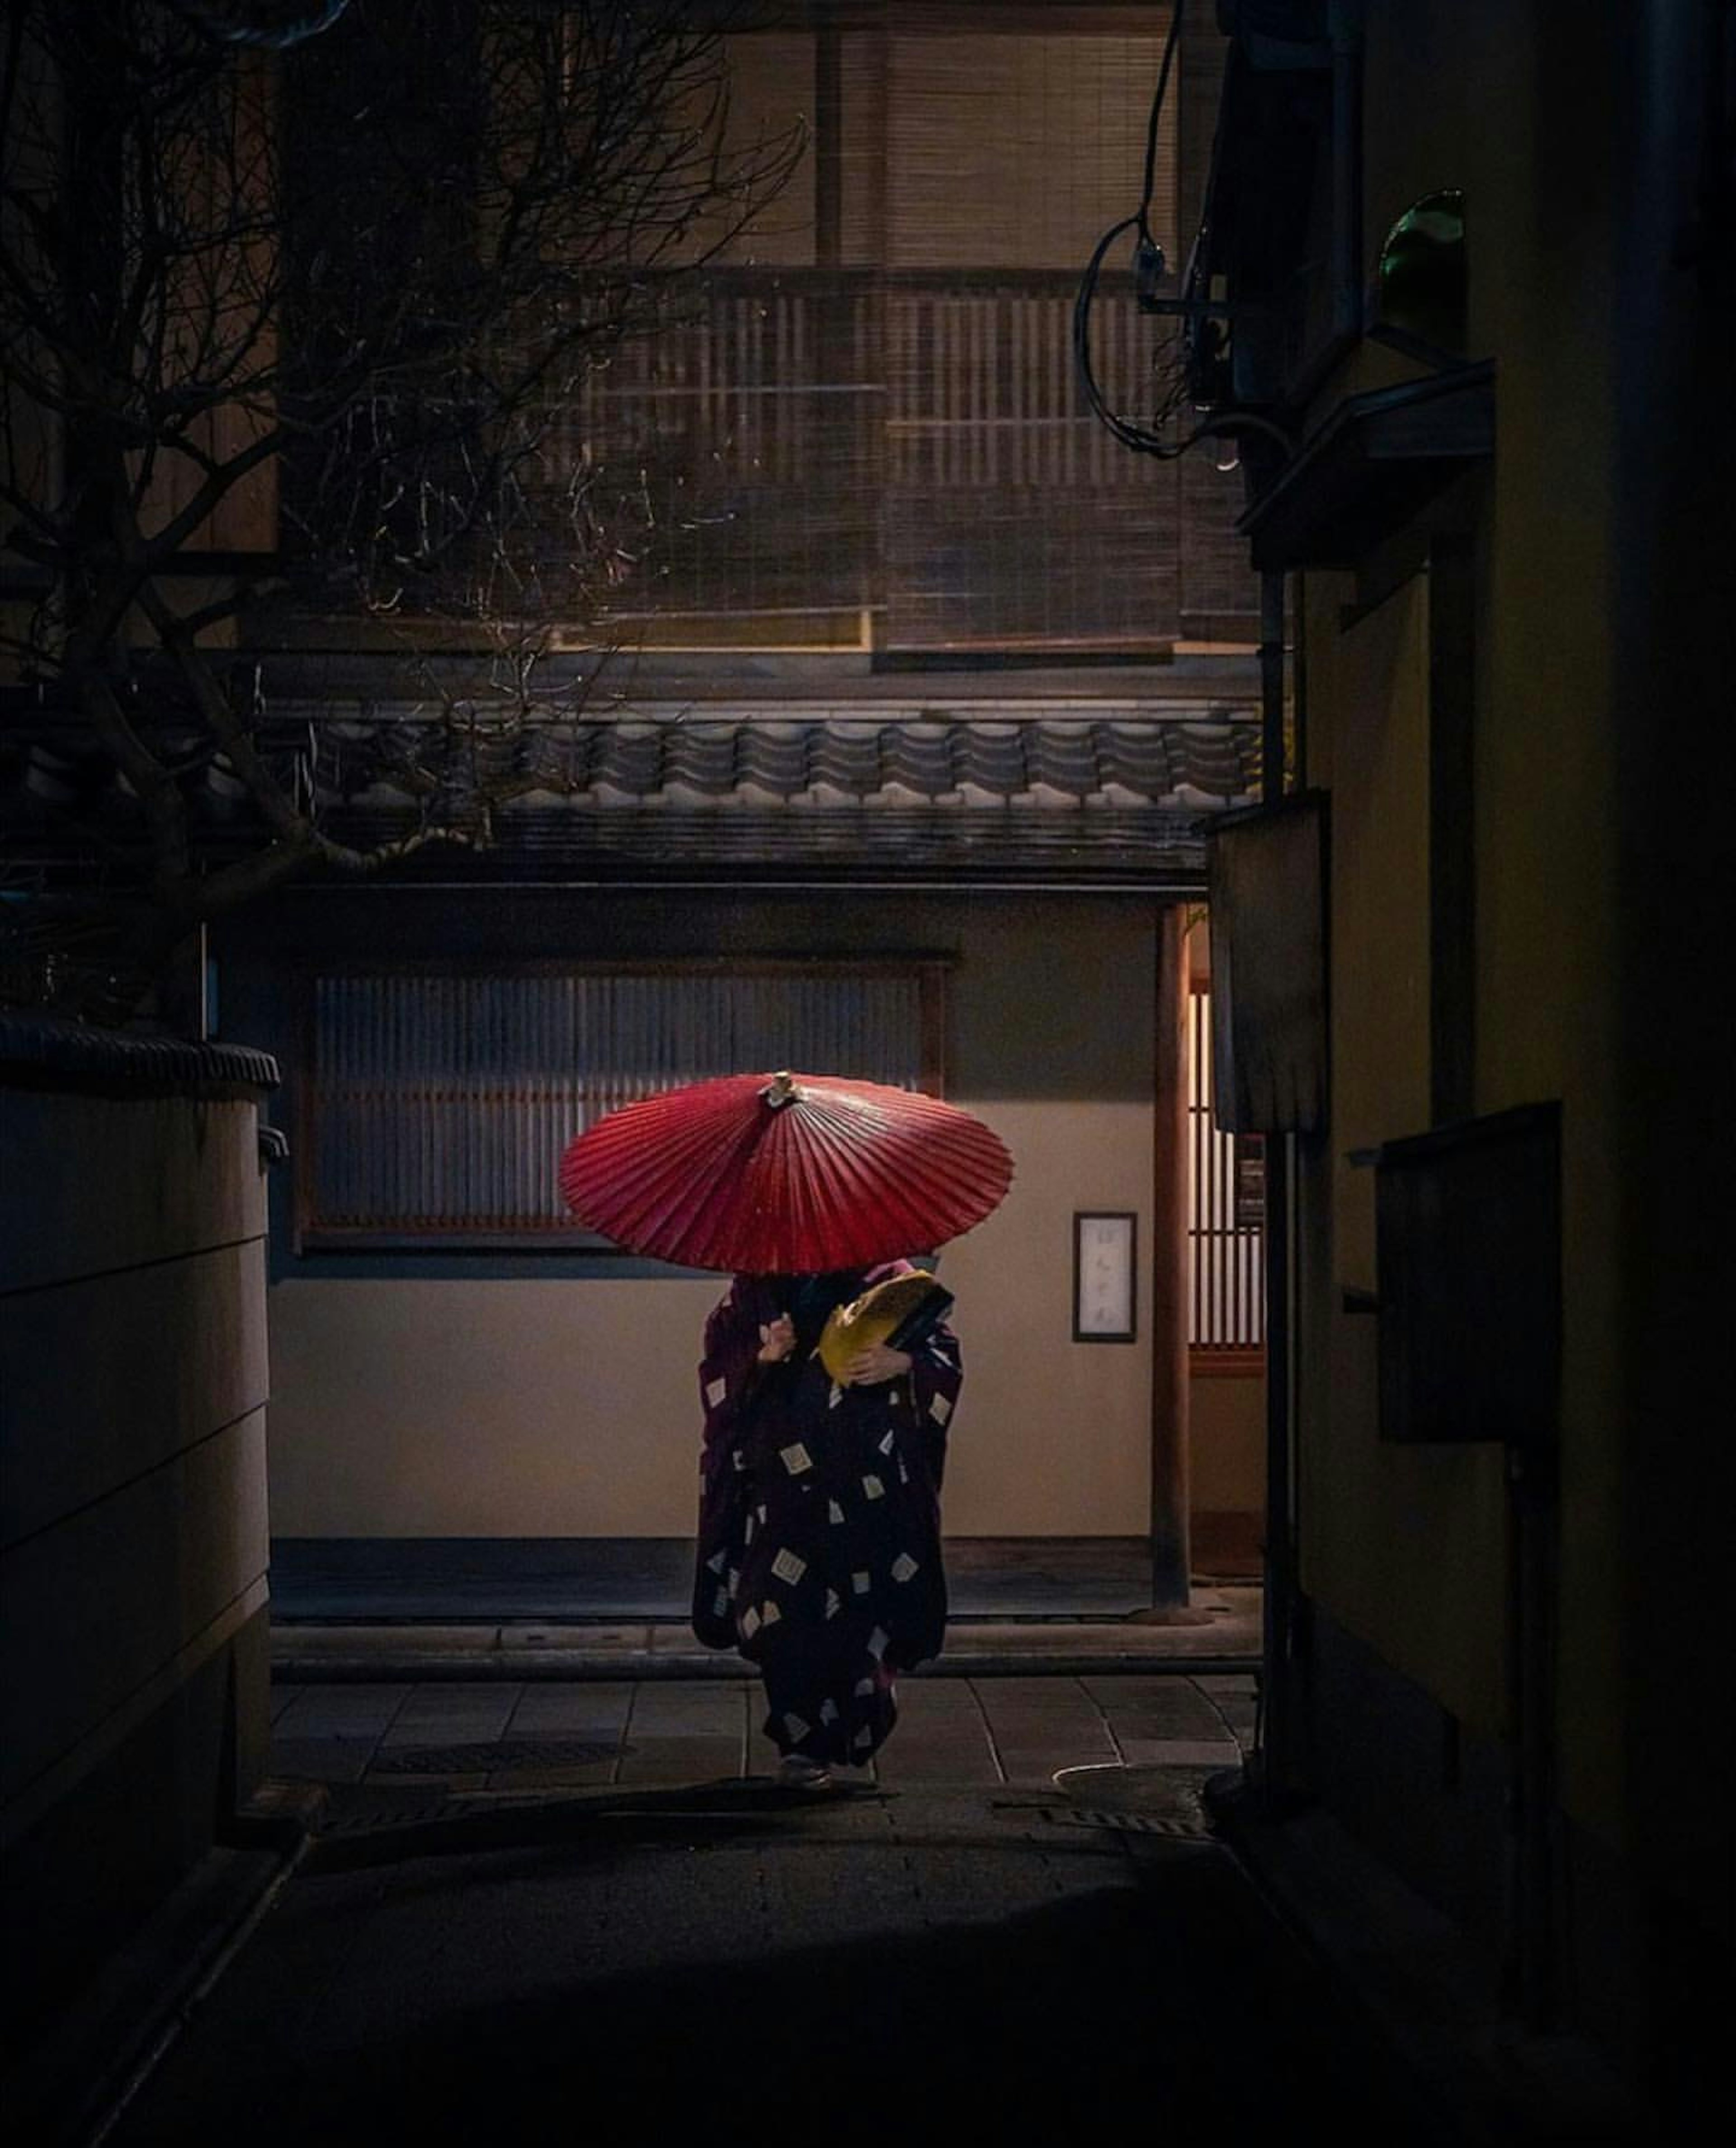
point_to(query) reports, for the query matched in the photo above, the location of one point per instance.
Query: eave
(1370, 469)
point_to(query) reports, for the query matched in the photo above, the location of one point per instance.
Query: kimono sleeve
(937, 1373)
(728, 1373)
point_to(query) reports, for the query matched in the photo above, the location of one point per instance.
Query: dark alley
(863, 1185)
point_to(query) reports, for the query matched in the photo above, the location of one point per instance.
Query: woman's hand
(870, 1368)
(777, 1339)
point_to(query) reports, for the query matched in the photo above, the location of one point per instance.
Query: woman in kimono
(818, 1551)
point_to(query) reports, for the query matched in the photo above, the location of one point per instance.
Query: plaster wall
(416, 1398)
(1601, 881)
(1403, 1546)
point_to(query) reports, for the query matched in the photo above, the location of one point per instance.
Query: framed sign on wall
(1105, 1274)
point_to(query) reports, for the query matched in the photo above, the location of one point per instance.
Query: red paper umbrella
(785, 1174)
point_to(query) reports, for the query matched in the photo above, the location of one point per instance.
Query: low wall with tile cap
(133, 1522)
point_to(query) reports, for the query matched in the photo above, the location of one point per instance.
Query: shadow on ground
(850, 1986)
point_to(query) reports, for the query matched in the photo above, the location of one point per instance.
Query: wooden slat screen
(865, 425)
(859, 424)
(439, 1104)
(1227, 1296)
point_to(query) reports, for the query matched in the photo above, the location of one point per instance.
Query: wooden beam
(1171, 1560)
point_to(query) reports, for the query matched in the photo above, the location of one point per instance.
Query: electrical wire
(1145, 439)
(1163, 74)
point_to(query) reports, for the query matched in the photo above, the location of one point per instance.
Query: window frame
(309, 1236)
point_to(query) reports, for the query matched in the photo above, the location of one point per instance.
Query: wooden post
(1170, 1545)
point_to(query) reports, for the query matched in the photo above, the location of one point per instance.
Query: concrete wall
(423, 1396)
(132, 1517)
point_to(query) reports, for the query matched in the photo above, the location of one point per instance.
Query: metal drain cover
(492, 1758)
(1129, 1823)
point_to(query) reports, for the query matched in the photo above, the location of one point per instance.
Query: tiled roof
(47, 1045)
(1008, 789)
(1110, 758)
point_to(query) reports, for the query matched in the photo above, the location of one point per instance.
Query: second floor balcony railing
(907, 454)
(900, 460)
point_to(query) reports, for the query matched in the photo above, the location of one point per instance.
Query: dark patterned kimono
(820, 1515)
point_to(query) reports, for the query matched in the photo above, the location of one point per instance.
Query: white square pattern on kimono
(721, 1602)
(903, 1474)
(859, 1582)
(797, 1729)
(828, 1710)
(787, 1567)
(738, 1460)
(865, 1689)
(865, 1736)
(886, 1445)
(769, 1611)
(750, 1622)
(795, 1458)
(747, 1534)
(836, 1397)
(939, 1409)
(716, 1561)
(834, 1603)
(874, 1487)
(903, 1567)
(834, 1512)
(877, 1641)
(716, 1392)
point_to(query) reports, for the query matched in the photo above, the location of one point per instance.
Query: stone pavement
(648, 1943)
(498, 1736)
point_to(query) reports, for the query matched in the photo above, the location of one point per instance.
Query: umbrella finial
(782, 1090)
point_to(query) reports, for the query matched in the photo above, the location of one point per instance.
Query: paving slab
(1039, 1725)
(364, 1712)
(684, 1734)
(438, 1714)
(570, 1711)
(321, 1759)
(1180, 1752)
(1146, 1708)
(941, 1736)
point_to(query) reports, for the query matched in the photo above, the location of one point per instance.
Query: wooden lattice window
(1226, 1218)
(436, 1102)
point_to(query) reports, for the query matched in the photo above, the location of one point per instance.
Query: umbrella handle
(781, 1091)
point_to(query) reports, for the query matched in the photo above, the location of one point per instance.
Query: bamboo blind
(865, 423)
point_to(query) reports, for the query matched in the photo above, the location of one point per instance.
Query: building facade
(1494, 365)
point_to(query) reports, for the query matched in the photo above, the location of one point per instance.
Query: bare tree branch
(332, 291)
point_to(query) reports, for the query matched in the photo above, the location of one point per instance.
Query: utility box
(1467, 1239)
